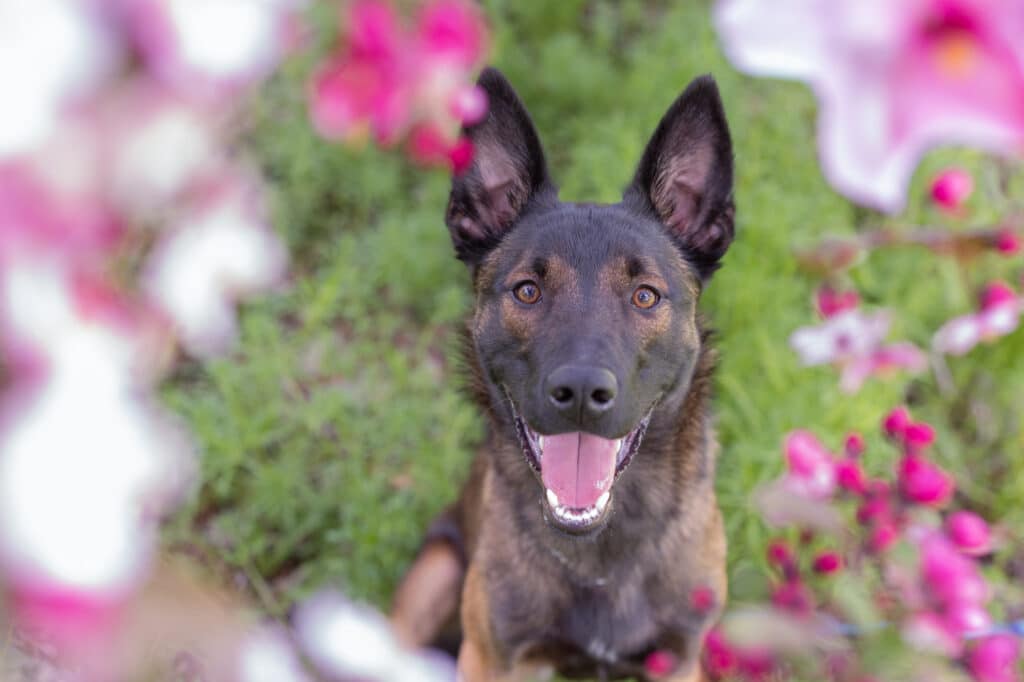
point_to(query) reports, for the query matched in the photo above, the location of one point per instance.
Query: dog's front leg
(480, 659)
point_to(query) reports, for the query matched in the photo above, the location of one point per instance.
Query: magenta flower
(827, 563)
(923, 482)
(969, 533)
(1008, 242)
(951, 188)
(830, 302)
(893, 79)
(853, 341)
(994, 659)
(812, 471)
(999, 315)
(659, 664)
(391, 82)
(950, 577)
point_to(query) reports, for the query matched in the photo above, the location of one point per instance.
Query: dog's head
(586, 315)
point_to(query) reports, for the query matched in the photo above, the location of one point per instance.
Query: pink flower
(779, 555)
(1007, 242)
(918, 436)
(827, 563)
(853, 446)
(659, 664)
(831, 302)
(950, 577)
(702, 599)
(969, 533)
(852, 340)
(967, 617)
(793, 596)
(922, 482)
(720, 657)
(998, 316)
(893, 79)
(994, 659)
(393, 82)
(811, 467)
(951, 188)
(851, 477)
(896, 422)
(883, 536)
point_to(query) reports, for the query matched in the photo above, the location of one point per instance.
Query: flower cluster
(393, 83)
(853, 340)
(923, 571)
(127, 229)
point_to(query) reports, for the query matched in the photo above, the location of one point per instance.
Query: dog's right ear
(507, 173)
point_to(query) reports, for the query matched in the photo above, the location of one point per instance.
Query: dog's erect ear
(685, 176)
(508, 171)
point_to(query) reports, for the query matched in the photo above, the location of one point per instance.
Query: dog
(587, 535)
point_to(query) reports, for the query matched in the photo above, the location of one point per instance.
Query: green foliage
(336, 430)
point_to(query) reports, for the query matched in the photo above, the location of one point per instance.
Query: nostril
(562, 395)
(602, 396)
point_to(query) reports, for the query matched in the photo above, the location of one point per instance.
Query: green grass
(336, 430)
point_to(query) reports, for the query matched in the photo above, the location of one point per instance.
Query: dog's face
(585, 318)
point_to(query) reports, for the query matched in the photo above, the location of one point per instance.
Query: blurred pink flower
(969, 533)
(392, 82)
(999, 315)
(830, 302)
(811, 467)
(951, 578)
(893, 79)
(659, 664)
(951, 188)
(923, 482)
(827, 563)
(994, 659)
(896, 422)
(853, 340)
(1008, 242)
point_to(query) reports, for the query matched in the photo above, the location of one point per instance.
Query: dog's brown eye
(527, 292)
(645, 298)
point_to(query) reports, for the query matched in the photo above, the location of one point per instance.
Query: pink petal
(452, 30)
(923, 482)
(969, 532)
(994, 659)
(951, 188)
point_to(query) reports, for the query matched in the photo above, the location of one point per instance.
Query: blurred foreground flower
(126, 228)
(853, 341)
(893, 79)
(392, 82)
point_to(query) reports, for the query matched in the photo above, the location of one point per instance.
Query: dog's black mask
(586, 315)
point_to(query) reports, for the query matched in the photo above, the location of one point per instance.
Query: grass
(336, 430)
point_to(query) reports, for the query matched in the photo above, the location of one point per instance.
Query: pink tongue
(578, 467)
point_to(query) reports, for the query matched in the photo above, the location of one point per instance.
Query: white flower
(195, 274)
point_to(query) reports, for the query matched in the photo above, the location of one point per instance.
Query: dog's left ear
(685, 176)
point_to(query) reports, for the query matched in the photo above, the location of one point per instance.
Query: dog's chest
(585, 629)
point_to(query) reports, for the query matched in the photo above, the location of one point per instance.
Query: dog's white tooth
(552, 498)
(540, 443)
(602, 501)
(618, 445)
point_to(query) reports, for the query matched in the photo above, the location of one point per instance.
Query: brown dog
(589, 519)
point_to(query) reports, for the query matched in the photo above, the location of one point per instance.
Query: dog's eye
(527, 292)
(645, 298)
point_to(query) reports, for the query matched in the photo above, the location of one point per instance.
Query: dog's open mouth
(577, 470)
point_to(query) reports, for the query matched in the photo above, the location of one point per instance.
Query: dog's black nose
(580, 392)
